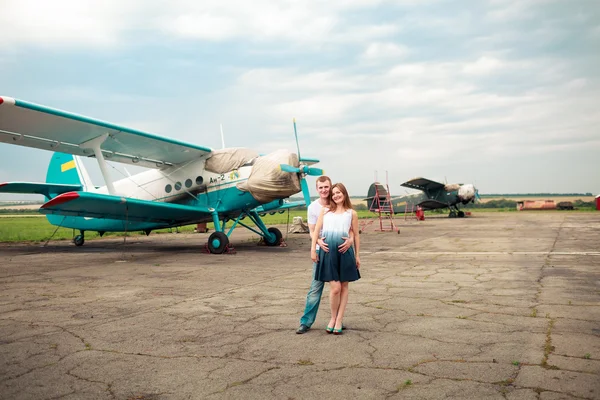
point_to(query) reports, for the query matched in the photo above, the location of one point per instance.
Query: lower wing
(432, 205)
(279, 205)
(94, 205)
(47, 189)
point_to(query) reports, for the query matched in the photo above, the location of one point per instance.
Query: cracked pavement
(495, 306)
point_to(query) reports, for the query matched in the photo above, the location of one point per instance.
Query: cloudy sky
(504, 94)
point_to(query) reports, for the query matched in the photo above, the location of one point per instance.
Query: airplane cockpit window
(199, 180)
(188, 183)
(177, 185)
(168, 188)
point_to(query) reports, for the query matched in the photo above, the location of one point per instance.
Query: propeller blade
(305, 191)
(296, 134)
(315, 171)
(289, 168)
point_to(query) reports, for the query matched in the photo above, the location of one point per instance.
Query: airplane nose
(466, 192)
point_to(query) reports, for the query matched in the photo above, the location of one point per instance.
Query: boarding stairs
(383, 207)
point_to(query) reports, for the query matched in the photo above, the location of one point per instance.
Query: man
(313, 298)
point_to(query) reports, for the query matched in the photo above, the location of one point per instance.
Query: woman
(335, 267)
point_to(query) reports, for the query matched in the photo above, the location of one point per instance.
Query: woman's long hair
(347, 204)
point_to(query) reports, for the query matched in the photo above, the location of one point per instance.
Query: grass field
(32, 228)
(36, 228)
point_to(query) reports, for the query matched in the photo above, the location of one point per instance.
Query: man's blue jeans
(313, 299)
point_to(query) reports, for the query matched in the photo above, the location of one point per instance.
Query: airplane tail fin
(68, 169)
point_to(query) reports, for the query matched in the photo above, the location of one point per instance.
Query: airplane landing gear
(461, 214)
(79, 240)
(217, 242)
(452, 214)
(278, 237)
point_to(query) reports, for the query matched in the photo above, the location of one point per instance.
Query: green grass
(38, 229)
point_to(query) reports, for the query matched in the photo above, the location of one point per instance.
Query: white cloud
(93, 23)
(63, 22)
(484, 65)
(384, 51)
(510, 10)
(202, 26)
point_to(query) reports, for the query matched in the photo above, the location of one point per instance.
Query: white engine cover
(466, 192)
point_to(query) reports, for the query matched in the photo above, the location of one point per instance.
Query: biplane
(434, 195)
(182, 183)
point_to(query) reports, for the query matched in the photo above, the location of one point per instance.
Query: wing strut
(94, 145)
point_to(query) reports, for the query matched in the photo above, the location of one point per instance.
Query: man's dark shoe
(302, 329)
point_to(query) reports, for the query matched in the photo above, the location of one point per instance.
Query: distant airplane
(438, 195)
(185, 184)
(434, 195)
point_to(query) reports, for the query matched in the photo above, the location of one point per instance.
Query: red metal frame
(384, 208)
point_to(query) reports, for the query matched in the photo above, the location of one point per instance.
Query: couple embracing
(335, 243)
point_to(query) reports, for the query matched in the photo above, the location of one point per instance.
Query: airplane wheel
(217, 242)
(452, 214)
(461, 214)
(278, 237)
(79, 240)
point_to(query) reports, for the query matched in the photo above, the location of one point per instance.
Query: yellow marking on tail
(67, 166)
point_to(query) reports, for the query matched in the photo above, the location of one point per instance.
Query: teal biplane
(183, 183)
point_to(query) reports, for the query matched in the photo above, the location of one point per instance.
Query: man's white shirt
(314, 210)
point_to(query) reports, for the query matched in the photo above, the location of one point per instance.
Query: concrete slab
(496, 306)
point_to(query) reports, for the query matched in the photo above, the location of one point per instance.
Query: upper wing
(86, 204)
(47, 189)
(32, 125)
(423, 184)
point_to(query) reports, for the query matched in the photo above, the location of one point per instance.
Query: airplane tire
(217, 242)
(79, 240)
(278, 237)
(452, 214)
(461, 214)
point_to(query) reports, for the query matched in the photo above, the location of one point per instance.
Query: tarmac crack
(243, 382)
(108, 385)
(548, 347)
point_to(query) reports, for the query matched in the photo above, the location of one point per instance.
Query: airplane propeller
(302, 170)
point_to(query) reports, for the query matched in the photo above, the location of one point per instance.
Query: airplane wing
(423, 184)
(94, 205)
(47, 189)
(32, 125)
(432, 204)
(283, 206)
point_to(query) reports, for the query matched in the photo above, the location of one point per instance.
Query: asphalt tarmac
(494, 306)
